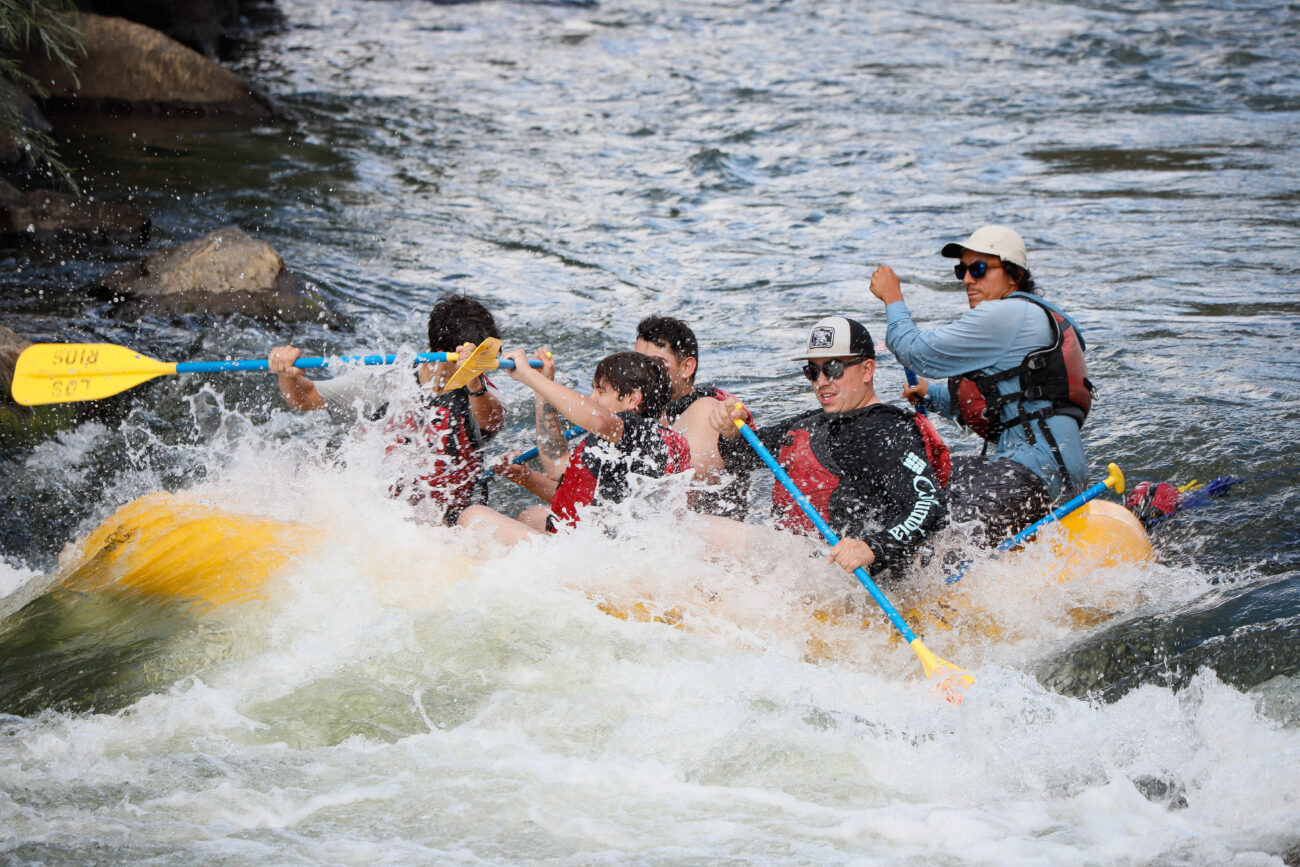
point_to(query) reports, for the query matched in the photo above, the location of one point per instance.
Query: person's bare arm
(527, 478)
(576, 407)
(298, 391)
(694, 425)
(552, 447)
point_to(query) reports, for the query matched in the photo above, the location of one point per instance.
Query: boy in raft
(688, 409)
(873, 471)
(628, 393)
(434, 437)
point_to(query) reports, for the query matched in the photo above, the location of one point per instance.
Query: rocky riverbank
(145, 62)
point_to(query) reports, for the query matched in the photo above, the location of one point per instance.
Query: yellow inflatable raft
(182, 549)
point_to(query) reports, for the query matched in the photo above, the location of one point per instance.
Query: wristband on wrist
(482, 391)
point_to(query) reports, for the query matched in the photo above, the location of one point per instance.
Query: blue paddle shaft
(826, 531)
(1055, 515)
(1032, 530)
(308, 363)
(525, 457)
(911, 380)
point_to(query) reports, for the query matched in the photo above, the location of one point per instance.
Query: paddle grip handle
(911, 380)
(813, 515)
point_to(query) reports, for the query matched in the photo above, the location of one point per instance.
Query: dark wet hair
(627, 371)
(458, 319)
(1020, 276)
(669, 333)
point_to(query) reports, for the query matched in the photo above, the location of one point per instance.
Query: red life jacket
(1057, 373)
(813, 469)
(443, 439)
(591, 478)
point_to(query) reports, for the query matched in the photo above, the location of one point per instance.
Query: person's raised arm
(552, 447)
(297, 390)
(581, 410)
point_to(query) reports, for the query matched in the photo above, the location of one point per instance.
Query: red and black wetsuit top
(598, 470)
(730, 498)
(868, 472)
(439, 447)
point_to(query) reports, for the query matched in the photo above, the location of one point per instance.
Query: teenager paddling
(624, 437)
(688, 409)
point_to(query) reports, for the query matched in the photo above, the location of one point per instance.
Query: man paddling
(672, 341)
(433, 437)
(873, 471)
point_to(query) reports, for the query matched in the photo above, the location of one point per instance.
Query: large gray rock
(219, 274)
(200, 24)
(45, 217)
(128, 66)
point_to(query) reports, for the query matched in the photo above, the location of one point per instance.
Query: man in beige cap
(1014, 374)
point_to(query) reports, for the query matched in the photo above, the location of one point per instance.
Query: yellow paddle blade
(68, 372)
(482, 359)
(952, 681)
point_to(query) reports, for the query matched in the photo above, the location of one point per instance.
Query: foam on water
(400, 699)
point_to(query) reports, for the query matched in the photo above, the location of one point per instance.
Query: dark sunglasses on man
(833, 369)
(976, 269)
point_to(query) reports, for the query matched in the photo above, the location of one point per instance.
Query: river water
(744, 165)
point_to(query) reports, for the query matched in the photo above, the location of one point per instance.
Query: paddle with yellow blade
(69, 372)
(480, 361)
(951, 680)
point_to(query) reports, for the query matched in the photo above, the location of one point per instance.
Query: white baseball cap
(1000, 241)
(838, 337)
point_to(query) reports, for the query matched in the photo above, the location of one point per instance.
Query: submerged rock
(128, 67)
(219, 274)
(1244, 633)
(44, 217)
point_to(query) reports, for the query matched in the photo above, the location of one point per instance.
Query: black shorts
(1003, 496)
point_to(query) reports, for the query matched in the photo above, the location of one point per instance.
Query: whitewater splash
(400, 699)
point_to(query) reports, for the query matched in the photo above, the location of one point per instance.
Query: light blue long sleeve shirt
(991, 338)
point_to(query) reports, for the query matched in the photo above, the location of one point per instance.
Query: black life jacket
(679, 405)
(1055, 373)
(806, 457)
(591, 477)
(443, 438)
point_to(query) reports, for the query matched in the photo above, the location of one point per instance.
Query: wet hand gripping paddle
(525, 457)
(70, 372)
(911, 380)
(951, 681)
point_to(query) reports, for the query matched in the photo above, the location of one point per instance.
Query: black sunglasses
(833, 369)
(976, 269)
